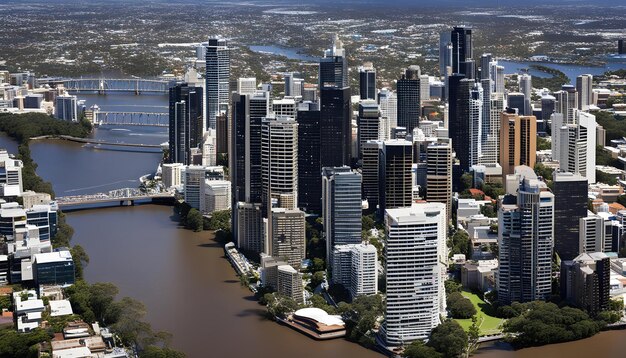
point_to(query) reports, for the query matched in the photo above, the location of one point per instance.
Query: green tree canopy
(448, 338)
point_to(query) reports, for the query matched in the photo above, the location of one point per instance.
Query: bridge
(98, 142)
(104, 85)
(155, 119)
(126, 196)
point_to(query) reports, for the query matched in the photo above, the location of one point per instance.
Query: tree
(472, 337)
(317, 278)
(194, 220)
(452, 286)
(466, 181)
(318, 264)
(459, 306)
(417, 349)
(80, 258)
(130, 327)
(280, 306)
(158, 352)
(448, 338)
(14, 344)
(101, 298)
(460, 243)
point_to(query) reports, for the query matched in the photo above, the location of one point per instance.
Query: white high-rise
(475, 123)
(246, 85)
(584, 87)
(525, 239)
(491, 139)
(525, 87)
(388, 106)
(575, 147)
(354, 266)
(595, 234)
(415, 269)
(217, 81)
(279, 160)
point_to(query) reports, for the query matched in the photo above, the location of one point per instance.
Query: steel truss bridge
(104, 85)
(155, 119)
(126, 196)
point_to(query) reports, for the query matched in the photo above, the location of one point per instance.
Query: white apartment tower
(279, 160)
(526, 240)
(415, 269)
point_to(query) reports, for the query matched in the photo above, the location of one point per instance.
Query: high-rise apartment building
(290, 283)
(11, 176)
(595, 234)
(525, 241)
(574, 144)
(354, 266)
(586, 281)
(279, 161)
(388, 106)
(217, 80)
(566, 102)
(518, 141)
(525, 87)
(415, 256)
(287, 236)
(185, 122)
(249, 234)
(341, 207)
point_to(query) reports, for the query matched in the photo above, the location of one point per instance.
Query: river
(187, 285)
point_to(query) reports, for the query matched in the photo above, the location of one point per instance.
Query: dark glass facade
(309, 168)
(335, 127)
(570, 205)
(185, 125)
(459, 128)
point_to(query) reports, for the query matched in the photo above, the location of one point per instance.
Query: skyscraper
(245, 155)
(341, 193)
(333, 70)
(476, 103)
(246, 85)
(462, 51)
(575, 144)
(279, 161)
(439, 174)
(491, 133)
(415, 257)
(388, 106)
(518, 141)
(249, 232)
(309, 167)
(217, 80)
(370, 124)
(525, 241)
(395, 186)
(516, 100)
(354, 266)
(409, 103)
(525, 87)
(586, 281)
(621, 47)
(570, 206)
(566, 102)
(485, 66)
(185, 122)
(335, 127)
(370, 172)
(66, 108)
(367, 81)
(445, 54)
(459, 127)
(584, 87)
(287, 236)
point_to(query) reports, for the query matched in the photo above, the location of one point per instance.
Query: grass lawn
(488, 324)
